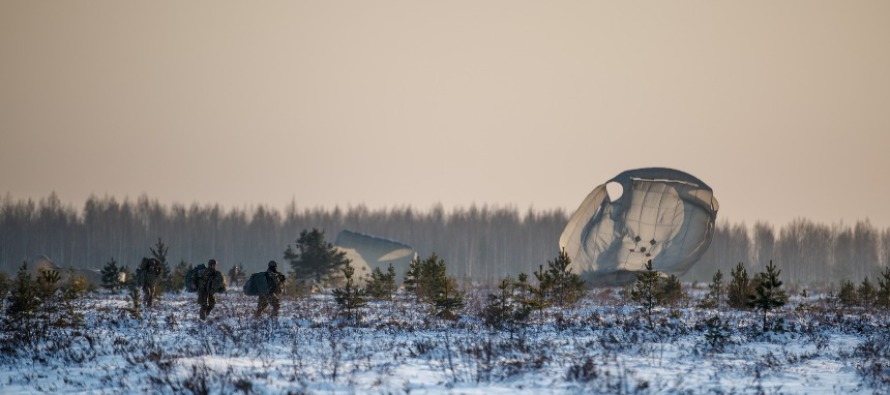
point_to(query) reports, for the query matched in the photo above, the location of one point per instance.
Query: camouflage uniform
(209, 282)
(147, 276)
(236, 275)
(274, 279)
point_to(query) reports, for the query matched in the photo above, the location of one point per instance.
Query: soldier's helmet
(211, 263)
(273, 265)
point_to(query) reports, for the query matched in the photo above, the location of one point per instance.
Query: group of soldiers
(207, 281)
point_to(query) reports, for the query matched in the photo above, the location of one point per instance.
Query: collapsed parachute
(661, 214)
(370, 252)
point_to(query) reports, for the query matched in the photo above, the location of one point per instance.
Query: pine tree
(5, 284)
(382, 285)
(715, 291)
(314, 258)
(412, 276)
(739, 287)
(427, 278)
(866, 293)
(646, 290)
(350, 298)
(540, 295)
(177, 277)
(527, 294)
(71, 290)
(447, 302)
(111, 275)
(504, 308)
(23, 299)
(47, 285)
(159, 252)
(847, 294)
(767, 294)
(672, 290)
(565, 287)
(884, 288)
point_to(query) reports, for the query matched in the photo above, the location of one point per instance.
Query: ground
(604, 344)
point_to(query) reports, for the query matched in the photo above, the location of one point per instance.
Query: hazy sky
(783, 107)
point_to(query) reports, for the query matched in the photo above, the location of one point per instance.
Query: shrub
(23, 298)
(866, 293)
(739, 287)
(646, 290)
(715, 291)
(767, 295)
(847, 294)
(5, 284)
(350, 298)
(562, 287)
(111, 275)
(447, 302)
(382, 285)
(672, 290)
(883, 296)
(427, 278)
(504, 308)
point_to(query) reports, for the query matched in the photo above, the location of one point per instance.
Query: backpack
(257, 285)
(148, 272)
(192, 276)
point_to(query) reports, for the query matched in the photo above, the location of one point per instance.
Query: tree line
(481, 243)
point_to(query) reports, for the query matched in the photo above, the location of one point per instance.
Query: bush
(350, 298)
(646, 290)
(715, 291)
(504, 308)
(847, 294)
(427, 278)
(562, 286)
(5, 284)
(768, 294)
(672, 290)
(382, 285)
(739, 287)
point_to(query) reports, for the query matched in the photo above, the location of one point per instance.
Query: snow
(396, 347)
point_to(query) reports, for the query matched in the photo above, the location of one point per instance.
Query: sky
(783, 108)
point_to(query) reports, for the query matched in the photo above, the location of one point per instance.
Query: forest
(481, 243)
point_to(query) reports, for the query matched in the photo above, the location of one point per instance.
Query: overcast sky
(782, 107)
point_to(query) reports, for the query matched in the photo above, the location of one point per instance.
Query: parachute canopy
(370, 252)
(661, 214)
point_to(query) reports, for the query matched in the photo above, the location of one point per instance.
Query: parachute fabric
(661, 214)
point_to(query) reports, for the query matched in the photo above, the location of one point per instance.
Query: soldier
(208, 282)
(274, 279)
(147, 276)
(236, 275)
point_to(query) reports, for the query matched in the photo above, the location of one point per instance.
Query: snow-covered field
(600, 346)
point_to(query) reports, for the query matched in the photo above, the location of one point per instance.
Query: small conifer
(768, 294)
(739, 287)
(111, 275)
(350, 298)
(883, 296)
(646, 290)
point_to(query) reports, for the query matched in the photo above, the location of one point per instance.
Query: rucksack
(148, 271)
(192, 276)
(257, 285)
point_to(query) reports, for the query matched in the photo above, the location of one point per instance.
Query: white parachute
(371, 252)
(661, 214)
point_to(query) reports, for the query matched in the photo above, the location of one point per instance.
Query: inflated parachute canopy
(371, 252)
(661, 214)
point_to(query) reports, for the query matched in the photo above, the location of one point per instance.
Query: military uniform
(208, 283)
(274, 279)
(147, 276)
